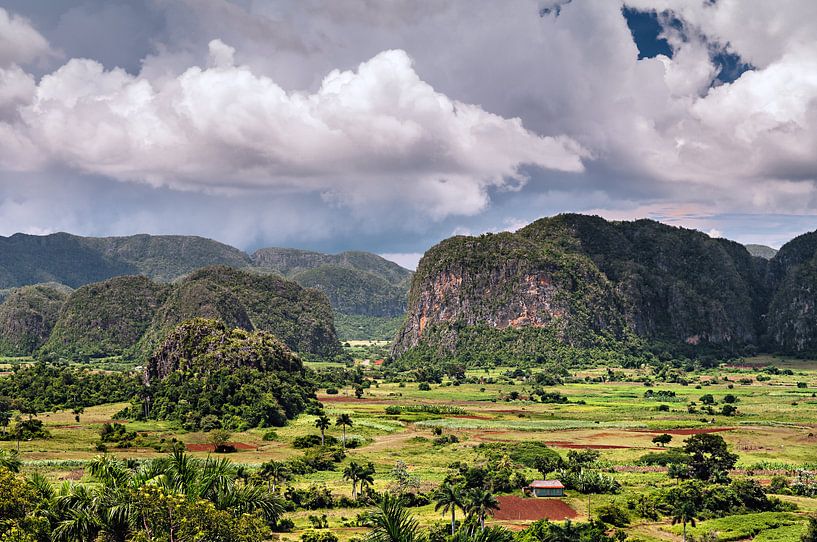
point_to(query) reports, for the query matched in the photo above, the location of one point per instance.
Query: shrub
(613, 515)
(318, 536)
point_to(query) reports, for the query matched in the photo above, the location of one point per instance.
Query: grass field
(773, 432)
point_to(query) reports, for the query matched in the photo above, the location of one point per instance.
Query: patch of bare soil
(533, 508)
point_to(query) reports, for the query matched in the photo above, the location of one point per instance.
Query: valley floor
(774, 432)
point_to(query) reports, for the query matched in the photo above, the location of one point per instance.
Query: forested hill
(582, 281)
(129, 315)
(75, 261)
(365, 290)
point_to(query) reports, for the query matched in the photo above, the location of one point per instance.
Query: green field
(773, 433)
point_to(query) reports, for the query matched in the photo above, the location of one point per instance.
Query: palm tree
(344, 421)
(448, 498)
(479, 503)
(684, 500)
(391, 522)
(352, 472)
(323, 423)
(108, 510)
(491, 534)
(274, 472)
(366, 477)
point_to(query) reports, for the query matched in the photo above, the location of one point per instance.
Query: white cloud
(375, 135)
(20, 43)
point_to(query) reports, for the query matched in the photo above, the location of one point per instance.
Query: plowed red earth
(690, 431)
(575, 446)
(533, 508)
(210, 447)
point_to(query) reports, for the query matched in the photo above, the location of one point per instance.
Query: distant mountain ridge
(76, 261)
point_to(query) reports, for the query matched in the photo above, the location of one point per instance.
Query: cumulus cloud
(375, 134)
(526, 112)
(20, 43)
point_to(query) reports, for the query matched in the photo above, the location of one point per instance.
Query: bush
(312, 441)
(318, 536)
(424, 386)
(613, 515)
(269, 436)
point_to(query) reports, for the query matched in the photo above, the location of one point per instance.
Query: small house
(546, 488)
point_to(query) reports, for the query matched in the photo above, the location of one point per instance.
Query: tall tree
(352, 473)
(366, 477)
(448, 498)
(322, 422)
(710, 458)
(479, 503)
(274, 472)
(684, 500)
(344, 421)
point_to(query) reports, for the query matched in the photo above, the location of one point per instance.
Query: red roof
(546, 484)
(378, 362)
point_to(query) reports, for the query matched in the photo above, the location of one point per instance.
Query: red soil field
(210, 447)
(533, 508)
(689, 431)
(574, 446)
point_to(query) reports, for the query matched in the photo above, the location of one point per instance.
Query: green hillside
(105, 318)
(300, 317)
(367, 292)
(76, 261)
(27, 316)
(581, 281)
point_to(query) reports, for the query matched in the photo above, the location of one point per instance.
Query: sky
(388, 126)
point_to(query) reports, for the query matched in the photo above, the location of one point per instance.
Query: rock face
(27, 316)
(586, 281)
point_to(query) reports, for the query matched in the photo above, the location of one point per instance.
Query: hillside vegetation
(129, 315)
(581, 281)
(300, 317)
(367, 291)
(27, 316)
(105, 318)
(358, 284)
(76, 261)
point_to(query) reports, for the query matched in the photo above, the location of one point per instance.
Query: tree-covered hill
(300, 317)
(368, 288)
(761, 251)
(130, 315)
(27, 316)
(203, 368)
(105, 318)
(289, 262)
(351, 291)
(577, 280)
